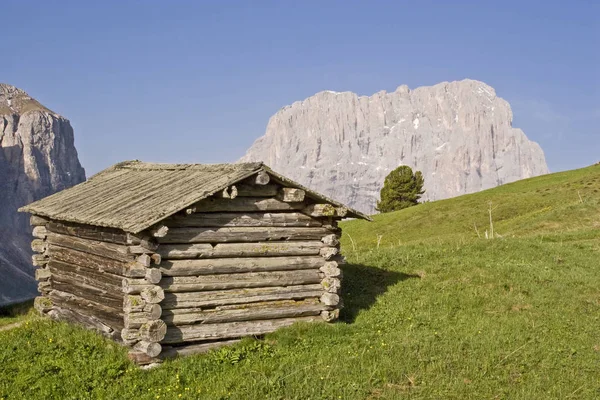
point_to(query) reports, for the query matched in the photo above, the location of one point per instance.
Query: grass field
(432, 312)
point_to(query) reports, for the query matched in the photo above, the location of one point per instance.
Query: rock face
(37, 158)
(459, 134)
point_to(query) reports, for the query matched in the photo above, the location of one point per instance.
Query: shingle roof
(134, 195)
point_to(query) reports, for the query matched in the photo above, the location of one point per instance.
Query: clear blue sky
(196, 81)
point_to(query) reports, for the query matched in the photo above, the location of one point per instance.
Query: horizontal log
(238, 265)
(159, 231)
(237, 281)
(229, 330)
(76, 287)
(142, 239)
(110, 316)
(104, 249)
(330, 315)
(150, 293)
(330, 299)
(39, 260)
(98, 279)
(36, 220)
(88, 232)
(262, 178)
(44, 287)
(248, 219)
(244, 204)
(149, 348)
(39, 245)
(187, 350)
(62, 314)
(246, 190)
(218, 298)
(151, 331)
(329, 253)
(245, 312)
(331, 240)
(42, 274)
(319, 210)
(136, 320)
(331, 285)
(331, 269)
(95, 262)
(260, 249)
(40, 232)
(291, 195)
(243, 234)
(153, 275)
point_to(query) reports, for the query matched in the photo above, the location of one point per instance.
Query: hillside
(552, 204)
(432, 312)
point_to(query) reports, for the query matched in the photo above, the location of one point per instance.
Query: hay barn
(175, 259)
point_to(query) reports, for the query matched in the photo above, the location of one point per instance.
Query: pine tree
(402, 188)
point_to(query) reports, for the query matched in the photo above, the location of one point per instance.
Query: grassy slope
(434, 312)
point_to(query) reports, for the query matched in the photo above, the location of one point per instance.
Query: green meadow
(433, 310)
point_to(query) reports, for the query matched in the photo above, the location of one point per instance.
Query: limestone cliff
(459, 134)
(37, 158)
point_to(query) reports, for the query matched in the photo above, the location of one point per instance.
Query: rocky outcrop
(459, 134)
(37, 158)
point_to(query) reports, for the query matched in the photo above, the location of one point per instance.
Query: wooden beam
(237, 281)
(245, 204)
(238, 265)
(36, 220)
(246, 219)
(260, 249)
(109, 250)
(220, 298)
(243, 234)
(291, 195)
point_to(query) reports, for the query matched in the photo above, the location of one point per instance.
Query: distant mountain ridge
(37, 158)
(459, 134)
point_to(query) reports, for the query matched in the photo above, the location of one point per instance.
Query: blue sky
(196, 81)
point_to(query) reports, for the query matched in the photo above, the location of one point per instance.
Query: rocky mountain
(37, 158)
(459, 134)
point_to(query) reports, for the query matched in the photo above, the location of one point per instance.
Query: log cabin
(176, 259)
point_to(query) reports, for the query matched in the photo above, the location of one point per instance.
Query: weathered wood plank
(95, 262)
(62, 314)
(102, 280)
(88, 232)
(217, 298)
(88, 292)
(36, 220)
(247, 219)
(39, 260)
(39, 245)
(245, 190)
(42, 274)
(110, 316)
(320, 210)
(260, 249)
(237, 281)
(103, 249)
(331, 269)
(244, 204)
(39, 232)
(229, 330)
(238, 265)
(243, 234)
(149, 348)
(151, 331)
(291, 195)
(245, 312)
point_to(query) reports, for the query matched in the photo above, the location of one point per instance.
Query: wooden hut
(173, 259)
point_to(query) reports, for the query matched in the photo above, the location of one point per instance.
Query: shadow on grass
(16, 309)
(361, 286)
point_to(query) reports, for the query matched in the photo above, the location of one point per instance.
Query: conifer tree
(402, 188)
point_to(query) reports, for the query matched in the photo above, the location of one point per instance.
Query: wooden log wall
(246, 261)
(102, 278)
